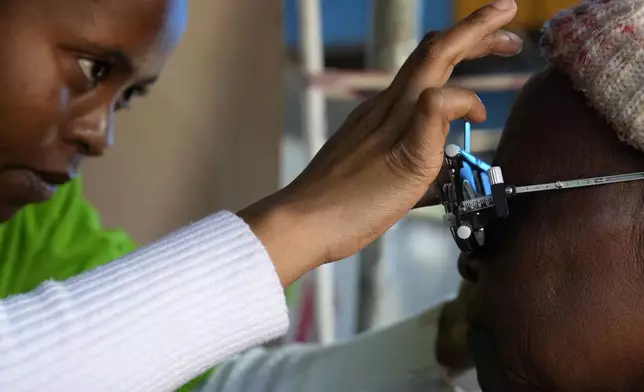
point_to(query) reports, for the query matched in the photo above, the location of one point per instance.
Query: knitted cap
(600, 45)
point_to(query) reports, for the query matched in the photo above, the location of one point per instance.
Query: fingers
(477, 35)
(462, 38)
(501, 43)
(435, 109)
(449, 104)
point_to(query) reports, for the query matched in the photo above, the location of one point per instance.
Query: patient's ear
(452, 350)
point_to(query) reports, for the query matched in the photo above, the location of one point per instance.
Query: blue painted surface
(436, 14)
(346, 22)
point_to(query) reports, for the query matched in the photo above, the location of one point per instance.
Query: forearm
(147, 322)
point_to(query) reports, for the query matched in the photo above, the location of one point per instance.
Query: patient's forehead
(554, 134)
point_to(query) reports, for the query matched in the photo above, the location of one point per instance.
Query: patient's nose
(468, 267)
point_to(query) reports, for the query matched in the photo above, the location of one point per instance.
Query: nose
(92, 133)
(468, 267)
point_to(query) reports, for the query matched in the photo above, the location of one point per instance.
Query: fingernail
(503, 4)
(513, 37)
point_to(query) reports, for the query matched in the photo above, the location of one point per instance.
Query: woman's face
(560, 286)
(66, 67)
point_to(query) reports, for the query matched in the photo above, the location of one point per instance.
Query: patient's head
(559, 303)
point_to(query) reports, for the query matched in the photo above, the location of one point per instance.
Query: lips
(38, 190)
(52, 178)
(33, 186)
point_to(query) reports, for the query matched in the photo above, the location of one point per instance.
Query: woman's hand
(380, 163)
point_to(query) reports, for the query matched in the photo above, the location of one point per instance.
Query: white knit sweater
(150, 321)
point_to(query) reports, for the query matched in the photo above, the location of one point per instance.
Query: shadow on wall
(208, 136)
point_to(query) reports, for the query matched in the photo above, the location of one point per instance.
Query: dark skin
(559, 288)
(73, 64)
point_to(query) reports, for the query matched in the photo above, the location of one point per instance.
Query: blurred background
(253, 91)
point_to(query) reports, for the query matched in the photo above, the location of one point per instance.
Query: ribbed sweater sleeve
(149, 321)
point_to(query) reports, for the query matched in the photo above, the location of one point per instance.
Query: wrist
(285, 233)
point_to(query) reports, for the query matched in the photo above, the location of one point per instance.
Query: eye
(134, 91)
(94, 71)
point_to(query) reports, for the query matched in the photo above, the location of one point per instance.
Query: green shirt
(55, 240)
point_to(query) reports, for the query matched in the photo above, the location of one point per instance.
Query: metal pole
(395, 33)
(315, 125)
